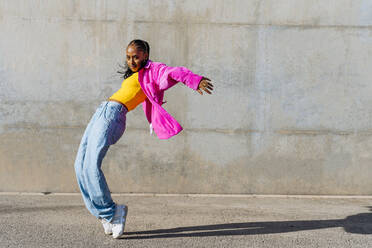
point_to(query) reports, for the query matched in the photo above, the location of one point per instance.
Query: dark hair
(141, 45)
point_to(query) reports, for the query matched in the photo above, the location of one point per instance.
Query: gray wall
(291, 112)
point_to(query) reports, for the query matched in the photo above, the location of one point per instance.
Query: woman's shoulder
(154, 64)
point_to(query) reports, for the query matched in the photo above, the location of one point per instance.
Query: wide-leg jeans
(104, 129)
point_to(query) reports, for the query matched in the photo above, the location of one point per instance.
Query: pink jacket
(154, 79)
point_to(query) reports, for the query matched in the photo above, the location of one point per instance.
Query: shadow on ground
(359, 224)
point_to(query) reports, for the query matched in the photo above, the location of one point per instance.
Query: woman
(144, 82)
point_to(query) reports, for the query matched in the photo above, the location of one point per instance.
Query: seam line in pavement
(196, 195)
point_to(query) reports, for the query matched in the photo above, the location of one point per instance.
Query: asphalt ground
(56, 220)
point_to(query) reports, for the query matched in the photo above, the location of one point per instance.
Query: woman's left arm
(169, 76)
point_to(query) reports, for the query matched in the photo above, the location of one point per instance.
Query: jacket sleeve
(169, 76)
(147, 106)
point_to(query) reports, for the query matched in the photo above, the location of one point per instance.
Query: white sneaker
(118, 222)
(107, 226)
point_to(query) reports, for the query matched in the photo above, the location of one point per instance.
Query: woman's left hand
(205, 85)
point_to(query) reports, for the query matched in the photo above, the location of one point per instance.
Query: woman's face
(135, 58)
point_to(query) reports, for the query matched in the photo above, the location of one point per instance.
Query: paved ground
(184, 221)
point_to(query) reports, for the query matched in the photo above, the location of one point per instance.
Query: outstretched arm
(168, 76)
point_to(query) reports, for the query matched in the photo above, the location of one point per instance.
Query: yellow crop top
(130, 94)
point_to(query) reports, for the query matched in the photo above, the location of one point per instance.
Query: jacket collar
(148, 64)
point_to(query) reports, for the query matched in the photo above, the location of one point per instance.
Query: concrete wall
(291, 112)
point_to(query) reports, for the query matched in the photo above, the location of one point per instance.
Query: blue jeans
(104, 129)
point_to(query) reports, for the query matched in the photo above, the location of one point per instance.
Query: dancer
(144, 82)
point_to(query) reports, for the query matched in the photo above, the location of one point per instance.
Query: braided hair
(141, 45)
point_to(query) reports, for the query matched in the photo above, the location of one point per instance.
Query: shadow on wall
(359, 224)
